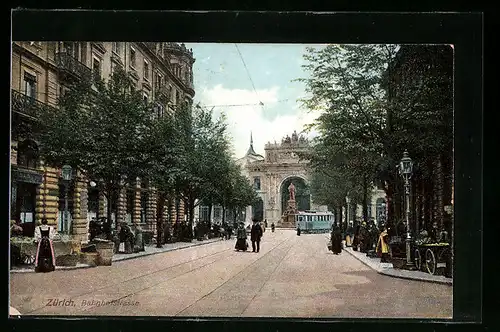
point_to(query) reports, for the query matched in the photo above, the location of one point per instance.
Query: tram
(314, 221)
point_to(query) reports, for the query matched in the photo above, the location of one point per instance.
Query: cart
(431, 257)
(27, 251)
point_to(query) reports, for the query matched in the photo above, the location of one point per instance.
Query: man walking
(255, 235)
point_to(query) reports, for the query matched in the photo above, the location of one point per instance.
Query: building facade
(41, 72)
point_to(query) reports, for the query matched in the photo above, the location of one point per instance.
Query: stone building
(40, 73)
(271, 175)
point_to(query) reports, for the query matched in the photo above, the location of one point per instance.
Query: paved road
(292, 276)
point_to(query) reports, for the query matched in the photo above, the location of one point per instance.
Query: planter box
(67, 260)
(147, 237)
(89, 258)
(66, 247)
(398, 263)
(105, 250)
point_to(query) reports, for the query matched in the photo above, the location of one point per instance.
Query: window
(177, 98)
(256, 183)
(204, 213)
(159, 110)
(132, 57)
(171, 93)
(27, 154)
(96, 68)
(159, 81)
(145, 97)
(116, 47)
(146, 70)
(30, 85)
(217, 212)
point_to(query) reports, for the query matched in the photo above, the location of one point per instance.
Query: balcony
(163, 94)
(28, 106)
(72, 67)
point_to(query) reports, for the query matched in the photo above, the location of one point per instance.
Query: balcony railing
(71, 65)
(26, 105)
(163, 94)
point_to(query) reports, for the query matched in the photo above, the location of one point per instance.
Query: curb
(161, 252)
(389, 273)
(86, 266)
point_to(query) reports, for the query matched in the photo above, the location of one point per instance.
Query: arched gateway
(272, 174)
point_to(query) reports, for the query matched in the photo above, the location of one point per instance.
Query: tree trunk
(389, 194)
(338, 215)
(223, 213)
(159, 219)
(191, 214)
(109, 198)
(365, 199)
(209, 212)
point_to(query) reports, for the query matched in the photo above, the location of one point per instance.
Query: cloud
(245, 119)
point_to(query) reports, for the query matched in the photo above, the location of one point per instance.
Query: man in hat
(255, 235)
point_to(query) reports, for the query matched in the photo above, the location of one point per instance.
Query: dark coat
(256, 232)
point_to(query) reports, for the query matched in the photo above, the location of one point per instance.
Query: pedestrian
(255, 235)
(382, 248)
(357, 235)
(298, 230)
(45, 260)
(241, 238)
(348, 238)
(336, 238)
(272, 227)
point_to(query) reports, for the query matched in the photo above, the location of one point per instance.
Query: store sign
(22, 175)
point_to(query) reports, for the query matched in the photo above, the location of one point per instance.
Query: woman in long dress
(382, 248)
(45, 258)
(336, 240)
(241, 238)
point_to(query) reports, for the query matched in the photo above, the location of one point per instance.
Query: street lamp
(406, 171)
(66, 175)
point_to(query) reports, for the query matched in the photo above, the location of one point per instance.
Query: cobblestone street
(292, 276)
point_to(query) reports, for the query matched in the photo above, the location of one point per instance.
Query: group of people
(364, 238)
(256, 233)
(369, 239)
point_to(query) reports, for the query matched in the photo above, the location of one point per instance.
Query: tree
(378, 100)
(346, 83)
(103, 130)
(168, 163)
(204, 143)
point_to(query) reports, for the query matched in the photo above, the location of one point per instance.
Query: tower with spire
(251, 152)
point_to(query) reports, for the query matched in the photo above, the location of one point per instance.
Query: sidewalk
(148, 250)
(388, 270)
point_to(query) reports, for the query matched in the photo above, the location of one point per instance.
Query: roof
(251, 151)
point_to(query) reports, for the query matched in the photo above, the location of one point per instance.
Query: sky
(220, 80)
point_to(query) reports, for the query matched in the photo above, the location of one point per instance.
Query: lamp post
(66, 175)
(406, 171)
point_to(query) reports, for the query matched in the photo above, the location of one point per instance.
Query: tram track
(246, 268)
(149, 274)
(198, 268)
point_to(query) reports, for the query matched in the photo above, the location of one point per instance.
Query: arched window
(27, 154)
